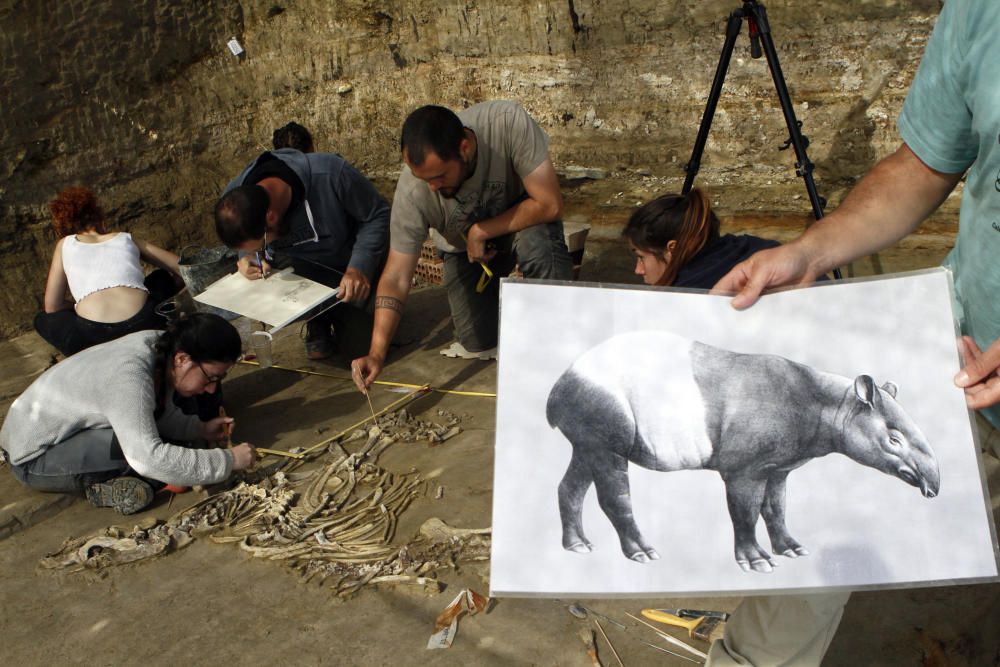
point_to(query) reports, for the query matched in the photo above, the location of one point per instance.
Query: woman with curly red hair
(108, 295)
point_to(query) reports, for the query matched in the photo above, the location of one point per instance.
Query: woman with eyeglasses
(106, 421)
(675, 240)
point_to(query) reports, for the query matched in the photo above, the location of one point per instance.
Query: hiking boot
(457, 351)
(320, 343)
(127, 495)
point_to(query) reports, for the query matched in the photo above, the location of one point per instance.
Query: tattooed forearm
(390, 302)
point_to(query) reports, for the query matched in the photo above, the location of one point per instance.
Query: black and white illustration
(657, 441)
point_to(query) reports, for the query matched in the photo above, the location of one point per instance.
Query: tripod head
(752, 12)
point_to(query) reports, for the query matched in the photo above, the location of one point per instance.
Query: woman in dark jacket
(676, 242)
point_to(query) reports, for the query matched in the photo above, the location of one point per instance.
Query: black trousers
(69, 333)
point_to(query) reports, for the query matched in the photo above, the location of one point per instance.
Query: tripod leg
(803, 166)
(694, 164)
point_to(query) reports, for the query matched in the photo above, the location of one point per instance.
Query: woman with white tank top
(96, 289)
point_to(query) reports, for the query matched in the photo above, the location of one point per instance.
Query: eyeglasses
(210, 379)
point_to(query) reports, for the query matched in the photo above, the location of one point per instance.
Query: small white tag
(234, 46)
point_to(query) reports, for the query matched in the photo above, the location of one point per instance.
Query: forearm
(159, 257)
(54, 304)
(388, 313)
(887, 204)
(390, 296)
(522, 215)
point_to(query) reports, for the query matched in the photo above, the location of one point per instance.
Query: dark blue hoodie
(350, 219)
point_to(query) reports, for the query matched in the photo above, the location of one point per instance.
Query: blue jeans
(85, 458)
(541, 253)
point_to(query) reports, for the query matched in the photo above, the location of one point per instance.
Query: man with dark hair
(318, 214)
(482, 183)
(294, 136)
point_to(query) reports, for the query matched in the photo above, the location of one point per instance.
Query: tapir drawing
(667, 403)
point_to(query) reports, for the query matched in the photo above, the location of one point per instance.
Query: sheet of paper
(277, 300)
(831, 408)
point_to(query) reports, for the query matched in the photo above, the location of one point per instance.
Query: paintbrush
(227, 428)
(610, 645)
(588, 640)
(356, 371)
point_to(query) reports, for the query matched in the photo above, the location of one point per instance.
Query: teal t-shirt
(951, 120)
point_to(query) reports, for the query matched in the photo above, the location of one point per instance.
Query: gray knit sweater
(111, 386)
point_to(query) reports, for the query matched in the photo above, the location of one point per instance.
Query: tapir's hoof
(761, 565)
(652, 554)
(580, 548)
(640, 557)
(796, 552)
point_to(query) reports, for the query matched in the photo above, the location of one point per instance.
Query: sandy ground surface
(211, 603)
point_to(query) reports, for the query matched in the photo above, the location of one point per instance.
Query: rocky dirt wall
(142, 101)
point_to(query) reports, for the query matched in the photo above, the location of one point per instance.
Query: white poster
(659, 442)
(277, 300)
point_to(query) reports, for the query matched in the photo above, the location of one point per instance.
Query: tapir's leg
(572, 490)
(610, 472)
(773, 512)
(745, 495)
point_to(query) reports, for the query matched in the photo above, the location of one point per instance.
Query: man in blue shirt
(950, 124)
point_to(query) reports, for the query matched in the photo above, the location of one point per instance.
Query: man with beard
(482, 183)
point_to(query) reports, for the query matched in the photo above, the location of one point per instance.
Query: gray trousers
(83, 459)
(541, 253)
(795, 630)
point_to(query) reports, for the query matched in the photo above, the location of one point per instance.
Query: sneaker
(457, 351)
(127, 495)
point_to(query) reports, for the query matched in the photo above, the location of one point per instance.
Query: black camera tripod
(760, 36)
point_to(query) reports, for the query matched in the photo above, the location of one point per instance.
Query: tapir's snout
(928, 481)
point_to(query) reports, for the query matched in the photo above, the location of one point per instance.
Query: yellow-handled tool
(699, 628)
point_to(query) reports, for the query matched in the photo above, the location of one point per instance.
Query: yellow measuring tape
(382, 382)
(484, 278)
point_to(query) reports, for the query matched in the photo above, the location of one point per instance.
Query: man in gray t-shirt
(482, 184)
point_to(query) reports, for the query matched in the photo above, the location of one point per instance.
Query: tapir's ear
(890, 388)
(864, 387)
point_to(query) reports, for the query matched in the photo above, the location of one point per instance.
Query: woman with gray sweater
(104, 421)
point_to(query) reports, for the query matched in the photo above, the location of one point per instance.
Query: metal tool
(696, 613)
(580, 611)
(660, 648)
(672, 640)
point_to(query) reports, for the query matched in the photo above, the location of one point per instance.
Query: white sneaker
(457, 351)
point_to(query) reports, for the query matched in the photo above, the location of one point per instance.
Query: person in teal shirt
(950, 127)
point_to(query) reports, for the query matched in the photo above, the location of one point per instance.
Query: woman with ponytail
(106, 422)
(676, 242)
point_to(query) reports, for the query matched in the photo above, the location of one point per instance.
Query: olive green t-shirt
(510, 145)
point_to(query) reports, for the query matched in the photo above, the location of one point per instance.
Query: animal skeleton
(333, 524)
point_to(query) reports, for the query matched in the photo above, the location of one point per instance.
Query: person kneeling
(104, 421)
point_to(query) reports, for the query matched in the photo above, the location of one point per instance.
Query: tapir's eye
(895, 440)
